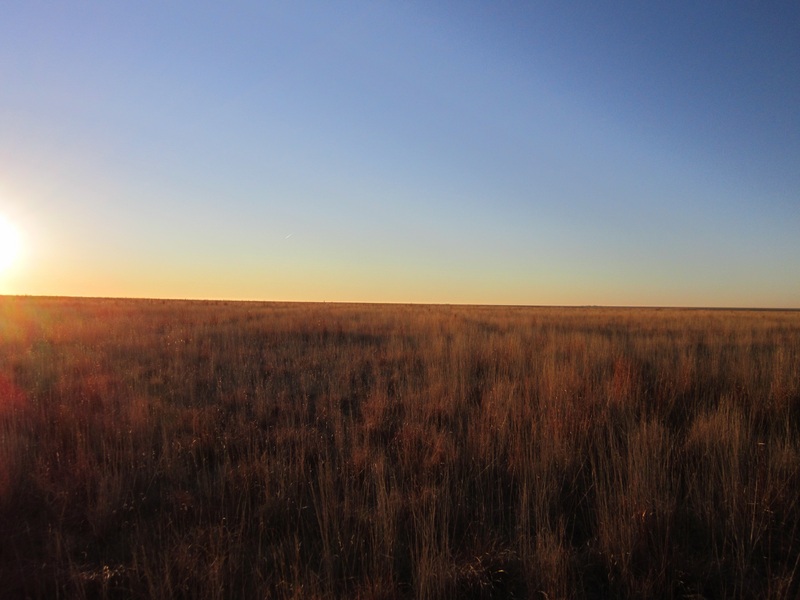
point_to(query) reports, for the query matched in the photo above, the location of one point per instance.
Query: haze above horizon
(457, 152)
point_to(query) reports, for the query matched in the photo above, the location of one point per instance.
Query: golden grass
(246, 450)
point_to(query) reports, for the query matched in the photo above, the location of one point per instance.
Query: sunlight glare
(9, 244)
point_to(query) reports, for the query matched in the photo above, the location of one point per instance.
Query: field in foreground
(221, 450)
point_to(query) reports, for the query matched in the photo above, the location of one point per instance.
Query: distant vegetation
(157, 449)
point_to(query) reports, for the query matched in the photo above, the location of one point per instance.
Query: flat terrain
(243, 450)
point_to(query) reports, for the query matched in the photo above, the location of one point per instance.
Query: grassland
(156, 449)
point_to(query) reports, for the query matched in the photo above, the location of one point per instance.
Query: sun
(9, 244)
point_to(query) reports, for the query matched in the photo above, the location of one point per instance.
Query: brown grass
(222, 450)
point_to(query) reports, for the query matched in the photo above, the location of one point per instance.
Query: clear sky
(626, 153)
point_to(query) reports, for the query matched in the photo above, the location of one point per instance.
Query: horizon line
(403, 303)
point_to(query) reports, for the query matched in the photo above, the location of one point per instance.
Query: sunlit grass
(223, 450)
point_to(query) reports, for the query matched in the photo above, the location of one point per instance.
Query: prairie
(176, 449)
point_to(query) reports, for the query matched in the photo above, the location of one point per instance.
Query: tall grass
(224, 450)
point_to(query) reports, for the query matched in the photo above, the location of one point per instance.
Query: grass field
(156, 449)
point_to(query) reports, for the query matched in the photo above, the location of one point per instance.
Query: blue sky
(513, 153)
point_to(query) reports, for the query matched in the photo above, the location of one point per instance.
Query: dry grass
(223, 450)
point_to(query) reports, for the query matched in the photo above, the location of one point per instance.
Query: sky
(535, 153)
